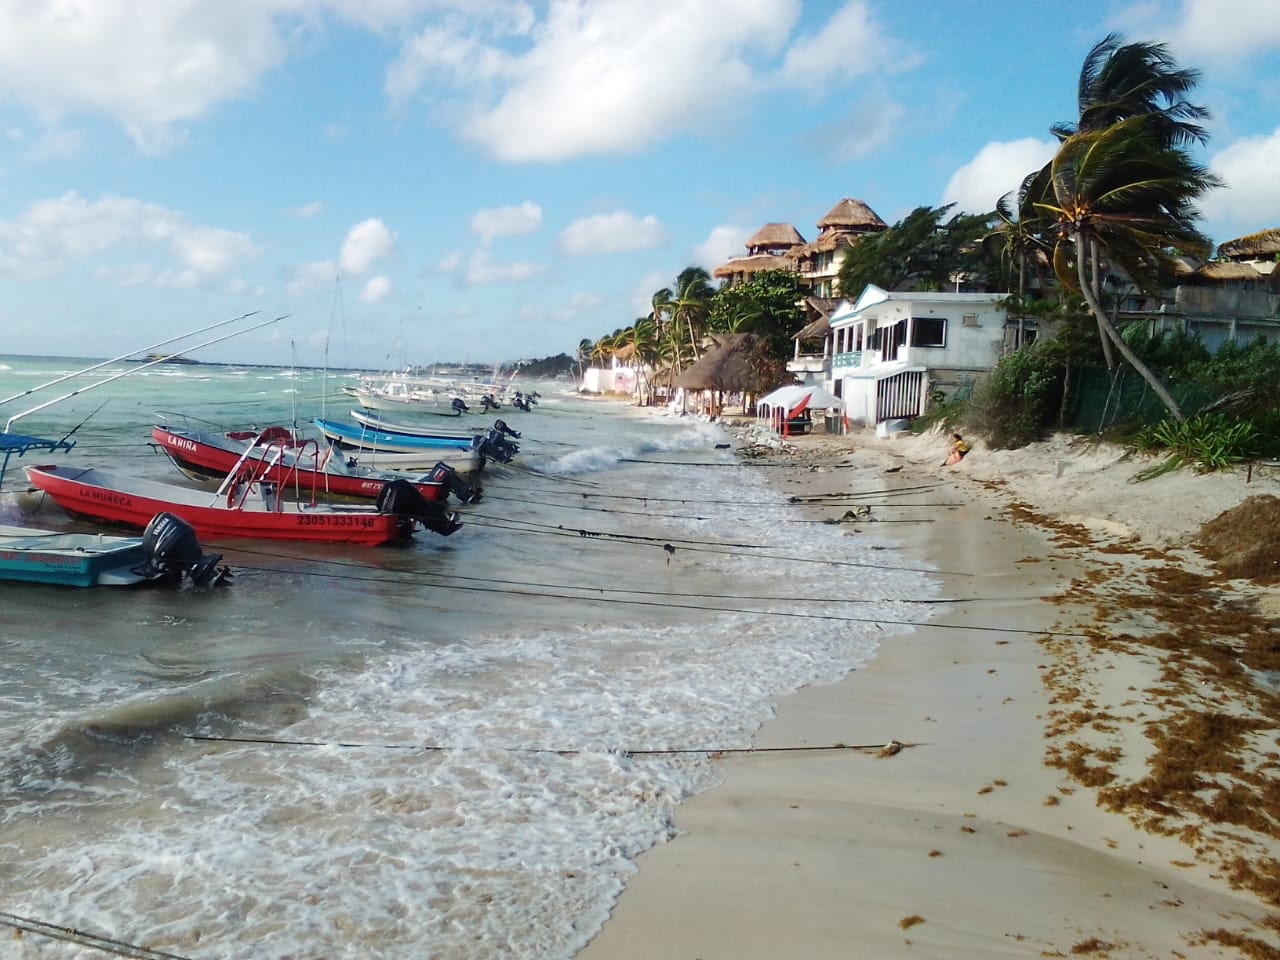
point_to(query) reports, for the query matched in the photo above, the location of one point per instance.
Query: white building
(890, 351)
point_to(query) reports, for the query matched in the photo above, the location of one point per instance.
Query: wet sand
(967, 842)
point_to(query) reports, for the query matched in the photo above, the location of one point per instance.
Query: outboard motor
(521, 404)
(460, 405)
(487, 403)
(501, 427)
(494, 446)
(173, 551)
(401, 497)
(453, 482)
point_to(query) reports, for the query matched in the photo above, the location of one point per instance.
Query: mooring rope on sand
(81, 938)
(888, 747)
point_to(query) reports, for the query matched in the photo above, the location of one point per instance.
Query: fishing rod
(132, 370)
(126, 356)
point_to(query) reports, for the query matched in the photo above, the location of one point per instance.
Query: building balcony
(807, 363)
(846, 361)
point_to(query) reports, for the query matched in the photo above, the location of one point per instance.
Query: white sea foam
(515, 836)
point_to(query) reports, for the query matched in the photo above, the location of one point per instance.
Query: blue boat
(369, 445)
(165, 553)
(362, 437)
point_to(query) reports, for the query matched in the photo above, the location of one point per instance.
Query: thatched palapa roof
(846, 221)
(1220, 271)
(763, 261)
(853, 214)
(723, 367)
(1252, 246)
(819, 309)
(774, 237)
(819, 328)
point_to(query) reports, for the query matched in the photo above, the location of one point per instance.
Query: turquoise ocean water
(434, 750)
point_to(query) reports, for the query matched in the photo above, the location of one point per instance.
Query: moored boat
(166, 552)
(372, 421)
(299, 467)
(243, 506)
(492, 445)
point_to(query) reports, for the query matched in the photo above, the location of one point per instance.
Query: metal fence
(1101, 400)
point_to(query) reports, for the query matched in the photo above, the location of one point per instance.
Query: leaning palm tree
(1122, 80)
(1122, 193)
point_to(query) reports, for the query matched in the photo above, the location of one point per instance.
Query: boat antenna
(293, 358)
(132, 370)
(126, 356)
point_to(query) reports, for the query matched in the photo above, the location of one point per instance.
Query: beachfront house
(891, 351)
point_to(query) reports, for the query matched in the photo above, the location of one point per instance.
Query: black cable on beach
(81, 938)
(596, 594)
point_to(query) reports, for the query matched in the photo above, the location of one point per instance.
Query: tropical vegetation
(1115, 208)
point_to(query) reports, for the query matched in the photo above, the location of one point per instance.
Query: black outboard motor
(401, 497)
(501, 427)
(460, 405)
(173, 551)
(445, 474)
(494, 446)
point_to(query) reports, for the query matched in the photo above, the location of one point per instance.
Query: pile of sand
(1244, 541)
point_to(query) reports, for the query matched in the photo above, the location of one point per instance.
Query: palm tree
(692, 302)
(1120, 185)
(1122, 192)
(1122, 80)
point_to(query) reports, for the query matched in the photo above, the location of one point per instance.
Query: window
(928, 332)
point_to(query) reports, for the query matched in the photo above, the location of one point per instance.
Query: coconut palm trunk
(1108, 331)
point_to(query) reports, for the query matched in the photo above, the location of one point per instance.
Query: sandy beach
(1088, 733)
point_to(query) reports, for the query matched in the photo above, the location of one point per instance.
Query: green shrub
(1207, 443)
(1016, 403)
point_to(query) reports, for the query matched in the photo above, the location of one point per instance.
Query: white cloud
(617, 232)
(147, 66)
(578, 304)
(376, 290)
(366, 243)
(850, 44)
(317, 275)
(449, 263)
(481, 271)
(641, 297)
(506, 221)
(52, 235)
(867, 127)
(1252, 194)
(997, 169)
(59, 143)
(1210, 30)
(723, 242)
(307, 210)
(663, 67)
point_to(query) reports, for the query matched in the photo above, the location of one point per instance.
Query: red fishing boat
(245, 505)
(298, 465)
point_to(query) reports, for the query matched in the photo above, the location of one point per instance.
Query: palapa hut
(1259, 248)
(724, 369)
(768, 249)
(818, 263)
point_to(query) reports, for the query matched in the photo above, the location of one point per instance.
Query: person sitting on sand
(959, 447)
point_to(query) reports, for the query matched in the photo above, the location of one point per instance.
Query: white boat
(416, 394)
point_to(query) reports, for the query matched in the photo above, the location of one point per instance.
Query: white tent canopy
(789, 397)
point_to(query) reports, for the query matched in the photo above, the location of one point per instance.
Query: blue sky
(413, 181)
